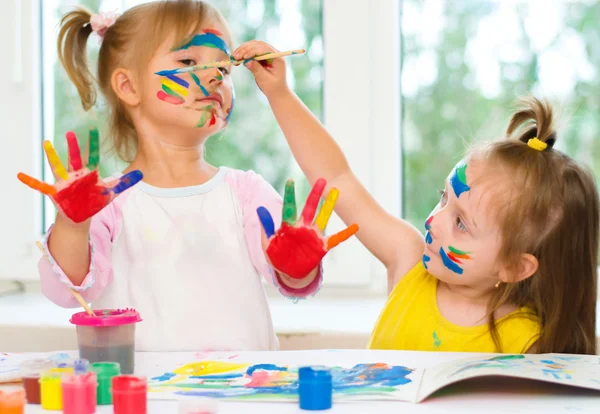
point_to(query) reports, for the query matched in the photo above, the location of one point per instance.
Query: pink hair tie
(102, 21)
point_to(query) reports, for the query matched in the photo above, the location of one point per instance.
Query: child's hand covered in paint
(79, 193)
(297, 248)
(269, 74)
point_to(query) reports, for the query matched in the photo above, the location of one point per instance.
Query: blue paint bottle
(315, 388)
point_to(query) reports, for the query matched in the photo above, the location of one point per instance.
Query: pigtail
(75, 29)
(533, 119)
(554, 215)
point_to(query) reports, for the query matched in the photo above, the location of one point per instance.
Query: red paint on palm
(83, 198)
(296, 251)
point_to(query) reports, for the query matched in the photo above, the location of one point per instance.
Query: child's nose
(216, 76)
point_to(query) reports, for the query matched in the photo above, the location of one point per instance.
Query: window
(336, 86)
(252, 140)
(464, 62)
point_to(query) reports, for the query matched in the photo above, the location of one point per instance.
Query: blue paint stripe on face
(449, 263)
(197, 81)
(425, 260)
(232, 104)
(428, 238)
(458, 186)
(167, 72)
(207, 40)
(178, 80)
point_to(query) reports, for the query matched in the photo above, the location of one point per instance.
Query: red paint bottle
(79, 393)
(129, 394)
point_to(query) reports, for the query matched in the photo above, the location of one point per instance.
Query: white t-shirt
(188, 259)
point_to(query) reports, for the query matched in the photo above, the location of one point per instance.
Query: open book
(267, 377)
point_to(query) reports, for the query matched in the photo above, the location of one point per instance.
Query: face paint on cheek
(453, 259)
(173, 89)
(425, 260)
(428, 238)
(458, 179)
(207, 115)
(230, 111)
(197, 81)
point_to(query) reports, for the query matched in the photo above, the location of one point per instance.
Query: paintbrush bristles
(231, 62)
(76, 295)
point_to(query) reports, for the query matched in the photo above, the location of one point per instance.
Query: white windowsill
(348, 315)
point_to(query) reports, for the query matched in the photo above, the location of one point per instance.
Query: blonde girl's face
(462, 242)
(202, 99)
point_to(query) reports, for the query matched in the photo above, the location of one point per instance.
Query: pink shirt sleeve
(252, 191)
(104, 228)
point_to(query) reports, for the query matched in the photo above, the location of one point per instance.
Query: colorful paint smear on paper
(458, 179)
(220, 379)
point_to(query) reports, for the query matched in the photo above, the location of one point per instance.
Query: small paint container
(51, 391)
(315, 388)
(79, 393)
(30, 372)
(198, 405)
(108, 337)
(105, 371)
(129, 394)
(12, 402)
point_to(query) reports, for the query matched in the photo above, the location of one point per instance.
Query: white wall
(20, 131)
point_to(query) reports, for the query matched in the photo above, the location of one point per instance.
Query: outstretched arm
(393, 241)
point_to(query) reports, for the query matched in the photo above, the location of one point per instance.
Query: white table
(491, 395)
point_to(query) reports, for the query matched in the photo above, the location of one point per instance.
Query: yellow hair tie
(537, 144)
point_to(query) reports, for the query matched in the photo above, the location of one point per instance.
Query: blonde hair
(553, 214)
(130, 42)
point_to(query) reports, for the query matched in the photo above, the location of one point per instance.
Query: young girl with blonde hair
(183, 246)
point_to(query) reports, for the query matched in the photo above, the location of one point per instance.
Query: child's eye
(460, 225)
(225, 70)
(187, 62)
(443, 197)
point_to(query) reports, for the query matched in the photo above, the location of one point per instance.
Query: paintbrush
(75, 293)
(231, 62)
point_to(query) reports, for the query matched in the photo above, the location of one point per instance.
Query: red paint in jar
(79, 393)
(129, 394)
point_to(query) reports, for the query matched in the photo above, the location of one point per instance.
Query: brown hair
(130, 42)
(553, 214)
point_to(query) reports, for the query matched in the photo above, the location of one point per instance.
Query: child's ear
(527, 265)
(123, 83)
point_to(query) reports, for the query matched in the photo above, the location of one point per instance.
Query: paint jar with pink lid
(108, 337)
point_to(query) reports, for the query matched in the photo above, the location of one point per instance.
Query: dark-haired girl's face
(463, 239)
(200, 101)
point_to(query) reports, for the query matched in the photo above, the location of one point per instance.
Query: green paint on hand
(289, 203)
(94, 149)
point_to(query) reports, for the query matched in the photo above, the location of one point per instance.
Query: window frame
(371, 142)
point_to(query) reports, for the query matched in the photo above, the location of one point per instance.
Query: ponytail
(75, 29)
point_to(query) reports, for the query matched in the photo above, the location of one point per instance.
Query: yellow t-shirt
(411, 320)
